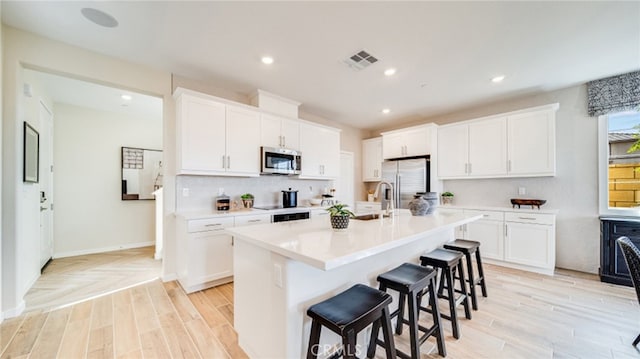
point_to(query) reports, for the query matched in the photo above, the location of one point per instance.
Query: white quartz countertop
(242, 212)
(315, 243)
(542, 210)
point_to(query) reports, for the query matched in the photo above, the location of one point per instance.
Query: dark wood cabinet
(613, 268)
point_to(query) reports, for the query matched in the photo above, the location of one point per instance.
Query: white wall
(24, 50)
(90, 216)
(573, 191)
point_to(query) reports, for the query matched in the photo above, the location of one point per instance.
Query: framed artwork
(31, 158)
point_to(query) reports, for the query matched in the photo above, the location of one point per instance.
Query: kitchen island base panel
(273, 292)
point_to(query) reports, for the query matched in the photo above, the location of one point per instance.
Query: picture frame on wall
(31, 155)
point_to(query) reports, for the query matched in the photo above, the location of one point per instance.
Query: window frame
(603, 174)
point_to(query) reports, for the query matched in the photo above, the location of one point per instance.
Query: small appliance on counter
(223, 202)
(289, 198)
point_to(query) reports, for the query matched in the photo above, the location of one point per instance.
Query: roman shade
(614, 94)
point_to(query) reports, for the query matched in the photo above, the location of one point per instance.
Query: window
(619, 144)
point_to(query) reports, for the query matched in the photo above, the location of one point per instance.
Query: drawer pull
(254, 220)
(485, 215)
(529, 218)
(213, 224)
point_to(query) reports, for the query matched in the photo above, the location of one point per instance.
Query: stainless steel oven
(280, 161)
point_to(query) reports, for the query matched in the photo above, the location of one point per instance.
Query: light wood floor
(526, 315)
(73, 279)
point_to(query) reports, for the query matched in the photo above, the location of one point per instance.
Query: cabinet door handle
(228, 162)
(466, 168)
(508, 165)
(506, 230)
(284, 141)
(224, 164)
(469, 168)
(279, 140)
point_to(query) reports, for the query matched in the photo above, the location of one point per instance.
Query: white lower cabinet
(489, 231)
(367, 207)
(522, 240)
(530, 240)
(205, 253)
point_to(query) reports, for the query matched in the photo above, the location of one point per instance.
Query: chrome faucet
(390, 209)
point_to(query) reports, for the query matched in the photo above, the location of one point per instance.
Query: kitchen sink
(368, 217)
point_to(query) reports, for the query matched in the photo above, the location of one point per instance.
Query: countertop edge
(502, 209)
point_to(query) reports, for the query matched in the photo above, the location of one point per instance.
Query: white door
(345, 181)
(243, 141)
(488, 147)
(46, 184)
(453, 150)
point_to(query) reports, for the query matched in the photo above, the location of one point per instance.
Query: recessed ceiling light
(385, 111)
(497, 79)
(126, 97)
(99, 17)
(267, 60)
(390, 72)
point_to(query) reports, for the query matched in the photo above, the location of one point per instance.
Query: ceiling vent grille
(360, 60)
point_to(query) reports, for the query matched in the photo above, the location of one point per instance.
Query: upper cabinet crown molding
(514, 144)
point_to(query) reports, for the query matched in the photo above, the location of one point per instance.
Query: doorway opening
(86, 225)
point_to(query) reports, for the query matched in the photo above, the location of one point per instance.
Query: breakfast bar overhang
(280, 269)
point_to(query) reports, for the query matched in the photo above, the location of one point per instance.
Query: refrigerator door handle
(398, 191)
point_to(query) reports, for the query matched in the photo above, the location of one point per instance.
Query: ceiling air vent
(360, 60)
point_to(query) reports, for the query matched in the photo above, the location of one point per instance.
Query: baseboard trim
(169, 277)
(103, 249)
(14, 312)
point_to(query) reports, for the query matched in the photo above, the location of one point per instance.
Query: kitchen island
(280, 269)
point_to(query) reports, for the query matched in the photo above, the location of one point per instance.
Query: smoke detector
(360, 60)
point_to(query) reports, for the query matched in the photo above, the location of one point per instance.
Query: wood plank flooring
(526, 315)
(73, 279)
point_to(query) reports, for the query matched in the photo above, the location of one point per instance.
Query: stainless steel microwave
(280, 161)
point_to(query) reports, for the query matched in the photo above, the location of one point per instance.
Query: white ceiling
(84, 94)
(445, 52)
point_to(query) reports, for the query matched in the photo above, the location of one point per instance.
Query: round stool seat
(463, 245)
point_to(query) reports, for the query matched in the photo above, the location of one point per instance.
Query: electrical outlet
(185, 192)
(522, 191)
(277, 275)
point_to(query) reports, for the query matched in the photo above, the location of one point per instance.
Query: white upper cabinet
(279, 132)
(488, 147)
(372, 159)
(243, 136)
(532, 144)
(408, 142)
(517, 144)
(216, 138)
(320, 147)
(200, 128)
(453, 150)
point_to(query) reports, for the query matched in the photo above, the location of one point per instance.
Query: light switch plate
(522, 191)
(185, 192)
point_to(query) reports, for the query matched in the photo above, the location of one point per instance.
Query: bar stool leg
(413, 325)
(472, 283)
(481, 273)
(463, 288)
(375, 330)
(435, 313)
(314, 340)
(452, 302)
(349, 345)
(400, 320)
(387, 332)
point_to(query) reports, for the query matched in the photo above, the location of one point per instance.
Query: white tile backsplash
(266, 190)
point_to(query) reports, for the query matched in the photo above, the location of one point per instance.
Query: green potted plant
(447, 197)
(247, 200)
(339, 216)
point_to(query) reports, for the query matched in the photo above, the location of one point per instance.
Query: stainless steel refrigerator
(407, 177)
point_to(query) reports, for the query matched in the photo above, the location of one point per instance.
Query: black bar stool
(410, 280)
(348, 313)
(448, 262)
(468, 248)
